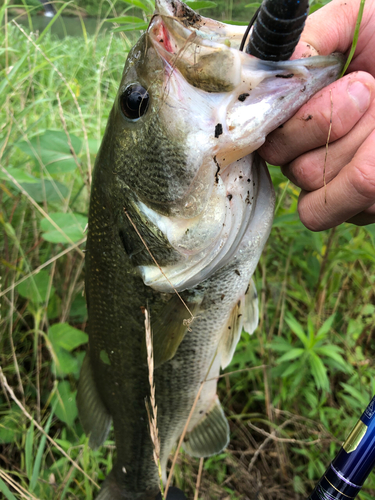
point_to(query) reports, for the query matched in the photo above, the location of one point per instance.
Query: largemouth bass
(180, 202)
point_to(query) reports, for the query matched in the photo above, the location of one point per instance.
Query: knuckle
(363, 180)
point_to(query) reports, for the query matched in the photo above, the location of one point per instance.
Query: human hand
(300, 145)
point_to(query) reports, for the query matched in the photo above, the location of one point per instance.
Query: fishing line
(253, 19)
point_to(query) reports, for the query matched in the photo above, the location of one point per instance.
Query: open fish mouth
(237, 100)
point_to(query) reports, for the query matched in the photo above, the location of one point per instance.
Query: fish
(181, 207)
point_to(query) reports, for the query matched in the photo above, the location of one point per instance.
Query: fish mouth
(228, 102)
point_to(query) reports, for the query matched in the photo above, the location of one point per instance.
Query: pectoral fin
(210, 435)
(95, 419)
(231, 334)
(251, 309)
(169, 329)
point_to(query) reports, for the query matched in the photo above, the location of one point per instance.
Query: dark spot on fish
(247, 289)
(229, 328)
(303, 88)
(242, 97)
(218, 130)
(253, 183)
(308, 117)
(280, 126)
(281, 97)
(161, 40)
(239, 315)
(240, 176)
(289, 75)
(248, 180)
(238, 305)
(217, 171)
(237, 272)
(229, 196)
(247, 200)
(200, 413)
(222, 296)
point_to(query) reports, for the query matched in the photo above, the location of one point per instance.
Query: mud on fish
(178, 163)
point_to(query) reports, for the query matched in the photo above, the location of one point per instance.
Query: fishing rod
(352, 465)
(277, 27)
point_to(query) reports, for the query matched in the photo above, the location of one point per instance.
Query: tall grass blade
(355, 37)
(4, 489)
(29, 450)
(52, 21)
(39, 455)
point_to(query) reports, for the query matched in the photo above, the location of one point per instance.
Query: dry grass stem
(186, 322)
(327, 143)
(273, 436)
(16, 486)
(197, 486)
(40, 428)
(153, 411)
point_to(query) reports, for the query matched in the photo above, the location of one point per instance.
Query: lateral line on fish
(186, 322)
(187, 425)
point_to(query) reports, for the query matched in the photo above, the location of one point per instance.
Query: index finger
(331, 29)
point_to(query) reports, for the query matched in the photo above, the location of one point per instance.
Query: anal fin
(95, 419)
(210, 435)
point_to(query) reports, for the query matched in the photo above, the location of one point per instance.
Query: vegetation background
(293, 390)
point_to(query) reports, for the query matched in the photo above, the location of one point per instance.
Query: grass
(293, 390)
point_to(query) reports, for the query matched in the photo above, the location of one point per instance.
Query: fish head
(190, 112)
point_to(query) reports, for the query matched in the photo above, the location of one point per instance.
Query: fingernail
(360, 94)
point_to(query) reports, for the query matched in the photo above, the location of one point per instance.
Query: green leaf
(66, 409)
(325, 328)
(126, 19)
(53, 150)
(72, 224)
(292, 354)
(255, 5)
(319, 372)
(19, 175)
(10, 426)
(65, 336)
(140, 5)
(200, 4)
(235, 23)
(36, 288)
(331, 351)
(133, 27)
(297, 329)
(46, 191)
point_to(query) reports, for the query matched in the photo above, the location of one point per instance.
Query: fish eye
(134, 101)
